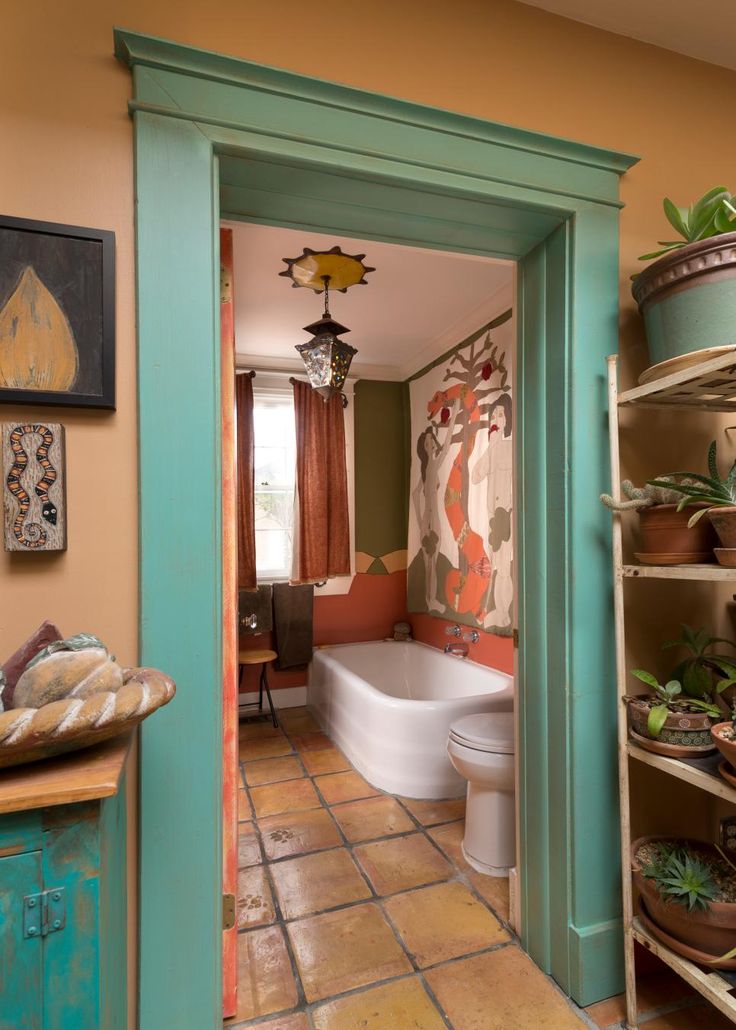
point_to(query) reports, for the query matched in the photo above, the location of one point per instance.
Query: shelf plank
(703, 573)
(700, 772)
(711, 985)
(708, 386)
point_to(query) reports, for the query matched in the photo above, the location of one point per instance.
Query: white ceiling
(706, 30)
(418, 303)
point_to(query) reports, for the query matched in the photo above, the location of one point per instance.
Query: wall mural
(34, 489)
(460, 523)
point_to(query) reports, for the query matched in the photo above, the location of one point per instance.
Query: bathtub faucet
(458, 650)
(452, 631)
(472, 637)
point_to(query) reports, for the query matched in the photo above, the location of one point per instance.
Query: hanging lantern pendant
(326, 357)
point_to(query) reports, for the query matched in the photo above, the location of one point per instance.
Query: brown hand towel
(255, 602)
(292, 614)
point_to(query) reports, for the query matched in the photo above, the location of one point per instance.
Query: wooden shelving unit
(710, 386)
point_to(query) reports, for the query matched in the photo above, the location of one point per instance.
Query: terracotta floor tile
(287, 796)
(272, 770)
(295, 833)
(310, 741)
(313, 883)
(258, 730)
(653, 992)
(443, 922)
(449, 839)
(288, 715)
(501, 990)
(402, 1004)
(249, 850)
(371, 818)
(299, 724)
(401, 863)
(296, 1021)
(338, 951)
(331, 760)
(494, 890)
(265, 980)
(271, 747)
(255, 901)
(698, 1017)
(244, 812)
(431, 813)
(345, 786)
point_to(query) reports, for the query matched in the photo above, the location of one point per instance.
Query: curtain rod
(243, 372)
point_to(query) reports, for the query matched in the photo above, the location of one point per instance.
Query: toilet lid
(487, 731)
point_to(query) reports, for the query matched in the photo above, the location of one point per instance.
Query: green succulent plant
(696, 672)
(713, 214)
(668, 695)
(681, 876)
(710, 490)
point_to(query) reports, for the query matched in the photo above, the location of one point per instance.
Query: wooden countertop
(76, 776)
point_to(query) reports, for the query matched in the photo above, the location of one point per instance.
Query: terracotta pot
(724, 523)
(726, 747)
(711, 930)
(688, 298)
(664, 530)
(686, 729)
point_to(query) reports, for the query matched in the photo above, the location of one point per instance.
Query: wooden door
(230, 771)
(21, 969)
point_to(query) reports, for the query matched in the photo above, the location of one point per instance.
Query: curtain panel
(321, 521)
(246, 484)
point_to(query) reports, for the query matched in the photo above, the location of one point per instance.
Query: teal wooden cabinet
(63, 893)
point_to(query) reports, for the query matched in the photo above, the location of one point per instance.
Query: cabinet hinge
(228, 911)
(44, 913)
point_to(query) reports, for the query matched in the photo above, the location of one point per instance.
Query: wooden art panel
(34, 486)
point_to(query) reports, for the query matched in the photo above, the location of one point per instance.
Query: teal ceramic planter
(688, 298)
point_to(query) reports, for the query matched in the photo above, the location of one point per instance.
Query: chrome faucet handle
(453, 631)
(249, 621)
(472, 637)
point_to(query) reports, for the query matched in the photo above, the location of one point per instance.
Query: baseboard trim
(283, 697)
(596, 961)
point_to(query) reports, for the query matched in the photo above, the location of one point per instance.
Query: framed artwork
(34, 486)
(57, 314)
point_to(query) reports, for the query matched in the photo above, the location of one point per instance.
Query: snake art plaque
(33, 484)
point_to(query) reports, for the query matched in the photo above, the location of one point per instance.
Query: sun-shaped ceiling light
(326, 357)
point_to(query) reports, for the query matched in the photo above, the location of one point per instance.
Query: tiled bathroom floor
(356, 910)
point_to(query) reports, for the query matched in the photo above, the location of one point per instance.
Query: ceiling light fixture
(326, 357)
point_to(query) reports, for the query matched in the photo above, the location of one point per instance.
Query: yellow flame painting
(37, 346)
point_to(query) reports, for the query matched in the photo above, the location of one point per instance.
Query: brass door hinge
(228, 911)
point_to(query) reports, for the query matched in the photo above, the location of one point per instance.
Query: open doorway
(352, 802)
(222, 137)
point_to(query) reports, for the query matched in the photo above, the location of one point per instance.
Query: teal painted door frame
(216, 135)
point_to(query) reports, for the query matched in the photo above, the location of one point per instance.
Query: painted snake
(32, 535)
(466, 588)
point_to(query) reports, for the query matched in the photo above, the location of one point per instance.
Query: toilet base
(482, 867)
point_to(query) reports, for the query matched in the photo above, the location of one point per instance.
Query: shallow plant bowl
(701, 958)
(658, 747)
(674, 558)
(728, 773)
(682, 362)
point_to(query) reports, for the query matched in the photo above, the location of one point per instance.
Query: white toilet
(481, 748)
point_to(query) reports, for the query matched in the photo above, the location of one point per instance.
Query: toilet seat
(487, 731)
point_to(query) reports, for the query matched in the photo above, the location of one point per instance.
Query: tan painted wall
(67, 156)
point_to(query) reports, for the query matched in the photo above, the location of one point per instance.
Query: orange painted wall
(67, 156)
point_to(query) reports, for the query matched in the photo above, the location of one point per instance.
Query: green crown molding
(136, 49)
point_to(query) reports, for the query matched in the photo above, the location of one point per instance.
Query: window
(274, 460)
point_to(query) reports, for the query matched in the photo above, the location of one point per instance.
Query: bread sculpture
(70, 694)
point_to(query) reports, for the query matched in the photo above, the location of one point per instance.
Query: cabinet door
(21, 958)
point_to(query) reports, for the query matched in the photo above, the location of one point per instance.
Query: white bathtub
(389, 706)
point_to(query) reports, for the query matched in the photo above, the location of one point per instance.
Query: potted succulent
(716, 498)
(687, 297)
(689, 891)
(665, 536)
(668, 722)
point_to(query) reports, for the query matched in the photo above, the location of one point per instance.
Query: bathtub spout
(458, 650)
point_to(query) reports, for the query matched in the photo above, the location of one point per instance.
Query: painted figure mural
(460, 534)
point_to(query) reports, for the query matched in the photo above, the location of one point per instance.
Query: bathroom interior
(376, 801)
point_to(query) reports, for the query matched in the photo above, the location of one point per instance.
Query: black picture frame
(76, 266)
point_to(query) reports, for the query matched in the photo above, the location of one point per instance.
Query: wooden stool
(261, 658)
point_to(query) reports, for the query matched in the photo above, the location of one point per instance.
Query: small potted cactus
(665, 533)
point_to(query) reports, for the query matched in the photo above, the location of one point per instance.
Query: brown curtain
(246, 518)
(322, 544)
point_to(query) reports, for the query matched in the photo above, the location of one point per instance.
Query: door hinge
(515, 636)
(228, 911)
(44, 913)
